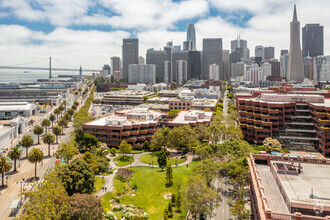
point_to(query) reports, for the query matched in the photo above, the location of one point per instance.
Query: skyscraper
(295, 65)
(130, 54)
(240, 46)
(157, 57)
(191, 36)
(312, 40)
(259, 52)
(238, 43)
(212, 54)
(226, 64)
(284, 52)
(269, 53)
(115, 64)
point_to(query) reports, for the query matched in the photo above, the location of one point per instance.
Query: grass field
(123, 160)
(151, 188)
(152, 159)
(98, 183)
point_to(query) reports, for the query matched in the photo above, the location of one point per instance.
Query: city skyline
(90, 33)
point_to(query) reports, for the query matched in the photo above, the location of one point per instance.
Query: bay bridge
(50, 69)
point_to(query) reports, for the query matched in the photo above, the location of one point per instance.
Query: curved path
(136, 163)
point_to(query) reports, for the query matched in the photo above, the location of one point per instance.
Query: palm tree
(38, 130)
(70, 112)
(62, 122)
(52, 118)
(64, 103)
(15, 154)
(57, 111)
(45, 123)
(48, 139)
(73, 107)
(57, 131)
(4, 167)
(35, 156)
(76, 103)
(27, 142)
(61, 107)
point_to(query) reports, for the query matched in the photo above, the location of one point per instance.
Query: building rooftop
(15, 106)
(193, 116)
(314, 177)
(128, 117)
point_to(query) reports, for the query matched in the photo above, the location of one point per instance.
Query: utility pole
(50, 67)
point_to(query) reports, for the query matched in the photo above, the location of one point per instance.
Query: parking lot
(101, 110)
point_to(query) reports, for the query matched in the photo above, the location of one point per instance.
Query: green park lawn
(152, 159)
(151, 188)
(98, 183)
(123, 160)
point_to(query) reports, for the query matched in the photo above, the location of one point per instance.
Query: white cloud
(152, 21)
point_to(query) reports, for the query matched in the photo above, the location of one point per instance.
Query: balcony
(298, 138)
(127, 133)
(300, 130)
(151, 130)
(143, 131)
(142, 138)
(299, 123)
(134, 132)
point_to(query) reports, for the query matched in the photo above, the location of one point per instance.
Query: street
(26, 169)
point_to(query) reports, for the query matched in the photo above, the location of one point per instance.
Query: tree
(49, 200)
(73, 107)
(173, 113)
(87, 142)
(162, 160)
(169, 174)
(35, 156)
(91, 160)
(45, 123)
(67, 116)
(61, 108)
(272, 145)
(62, 122)
(198, 197)
(173, 200)
(27, 142)
(57, 131)
(207, 169)
(76, 103)
(64, 103)
(77, 177)
(125, 148)
(52, 118)
(48, 139)
(182, 137)
(57, 111)
(178, 201)
(66, 151)
(113, 151)
(159, 139)
(170, 210)
(146, 145)
(4, 167)
(84, 206)
(70, 112)
(15, 154)
(166, 214)
(38, 130)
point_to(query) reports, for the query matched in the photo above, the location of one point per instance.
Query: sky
(89, 32)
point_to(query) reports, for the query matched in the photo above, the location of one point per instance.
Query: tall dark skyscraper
(312, 40)
(115, 64)
(191, 36)
(130, 54)
(295, 65)
(212, 54)
(269, 53)
(193, 60)
(284, 52)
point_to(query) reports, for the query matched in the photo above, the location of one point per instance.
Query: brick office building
(285, 187)
(294, 119)
(132, 125)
